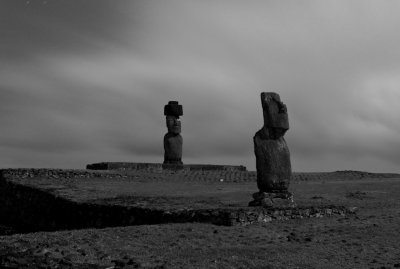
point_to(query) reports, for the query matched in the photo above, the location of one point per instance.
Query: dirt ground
(368, 239)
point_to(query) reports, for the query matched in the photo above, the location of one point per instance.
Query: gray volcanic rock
(173, 125)
(274, 112)
(267, 199)
(173, 148)
(272, 163)
(173, 108)
(173, 140)
(272, 153)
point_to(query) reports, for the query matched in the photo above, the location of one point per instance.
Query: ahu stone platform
(55, 199)
(160, 166)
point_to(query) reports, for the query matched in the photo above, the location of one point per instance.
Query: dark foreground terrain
(368, 239)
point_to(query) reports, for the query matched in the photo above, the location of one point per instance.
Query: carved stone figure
(272, 155)
(173, 139)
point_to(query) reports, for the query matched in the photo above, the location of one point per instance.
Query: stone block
(173, 109)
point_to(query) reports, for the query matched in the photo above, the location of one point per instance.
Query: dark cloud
(37, 27)
(86, 81)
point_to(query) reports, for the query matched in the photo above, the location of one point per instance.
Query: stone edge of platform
(160, 166)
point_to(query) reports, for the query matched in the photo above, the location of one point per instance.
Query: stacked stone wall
(29, 209)
(152, 167)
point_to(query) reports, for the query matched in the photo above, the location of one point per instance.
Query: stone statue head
(172, 111)
(173, 125)
(275, 113)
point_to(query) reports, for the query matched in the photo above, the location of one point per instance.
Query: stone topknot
(173, 108)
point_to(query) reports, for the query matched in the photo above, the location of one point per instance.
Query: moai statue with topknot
(173, 139)
(272, 155)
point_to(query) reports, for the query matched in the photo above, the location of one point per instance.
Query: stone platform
(160, 166)
(55, 199)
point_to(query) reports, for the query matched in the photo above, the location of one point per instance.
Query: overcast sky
(86, 81)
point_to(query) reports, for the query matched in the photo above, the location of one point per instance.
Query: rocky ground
(368, 239)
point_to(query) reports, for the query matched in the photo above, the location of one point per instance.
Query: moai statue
(272, 155)
(173, 139)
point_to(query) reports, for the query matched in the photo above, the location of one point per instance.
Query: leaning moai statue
(173, 139)
(272, 155)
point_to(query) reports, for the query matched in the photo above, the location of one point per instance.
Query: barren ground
(369, 239)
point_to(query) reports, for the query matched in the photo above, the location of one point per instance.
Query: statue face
(173, 125)
(275, 112)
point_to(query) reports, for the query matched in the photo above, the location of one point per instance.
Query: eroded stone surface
(277, 200)
(173, 108)
(272, 153)
(173, 148)
(274, 111)
(272, 163)
(173, 140)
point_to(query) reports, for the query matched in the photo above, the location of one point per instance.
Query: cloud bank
(86, 81)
